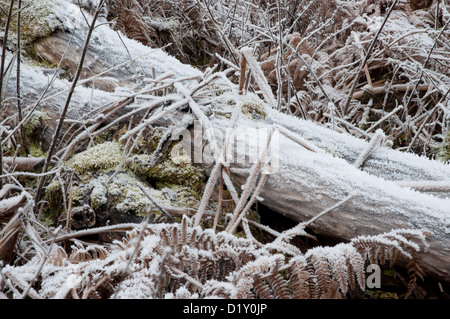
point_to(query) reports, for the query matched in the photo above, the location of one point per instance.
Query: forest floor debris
(121, 217)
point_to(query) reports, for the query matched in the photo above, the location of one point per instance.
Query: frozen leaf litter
(153, 258)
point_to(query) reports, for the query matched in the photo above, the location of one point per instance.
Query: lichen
(104, 156)
(168, 171)
(254, 109)
(126, 195)
(252, 106)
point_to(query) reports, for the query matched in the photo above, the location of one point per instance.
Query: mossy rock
(38, 20)
(115, 193)
(168, 172)
(119, 192)
(105, 156)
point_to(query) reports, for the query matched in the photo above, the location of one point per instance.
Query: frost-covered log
(114, 66)
(315, 167)
(305, 182)
(112, 60)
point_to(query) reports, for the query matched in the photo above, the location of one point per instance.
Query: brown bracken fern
(181, 260)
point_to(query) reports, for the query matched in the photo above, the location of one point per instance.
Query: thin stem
(416, 85)
(3, 57)
(255, 170)
(326, 211)
(18, 93)
(279, 61)
(2, 70)
(219, 205)
(249, 204)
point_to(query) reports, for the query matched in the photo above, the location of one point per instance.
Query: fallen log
(26, 164)
(112, 63)
(305, 183)
(321, 172)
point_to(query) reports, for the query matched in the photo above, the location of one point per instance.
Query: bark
(25, 164)
(386, 191)
(54, 49)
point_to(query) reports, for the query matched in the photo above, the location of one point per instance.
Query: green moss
(442, 150)
(38, 20)
(185, 196)
(149, 142)
(390, 272)
(40, 62)
(121, 191)
(34, 122)
(378, 294)
(36, 150)
(54, 195)
(104, 156)
(77, 194)
(168, 172)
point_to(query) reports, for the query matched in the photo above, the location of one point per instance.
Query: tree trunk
(307, 182)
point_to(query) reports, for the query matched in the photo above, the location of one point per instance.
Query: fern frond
(93, 252)
(57, 257)
(338, 266)
(322, 273)
(299, 277)
(393, 245)
(22, 284)
(244, 278)
(414, 272)
(279, 285)
(261, 289)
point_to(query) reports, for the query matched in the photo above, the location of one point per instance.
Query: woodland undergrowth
(319, 58)
(319, 61)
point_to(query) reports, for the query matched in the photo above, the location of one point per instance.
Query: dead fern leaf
(93, 252)
(299, 278)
